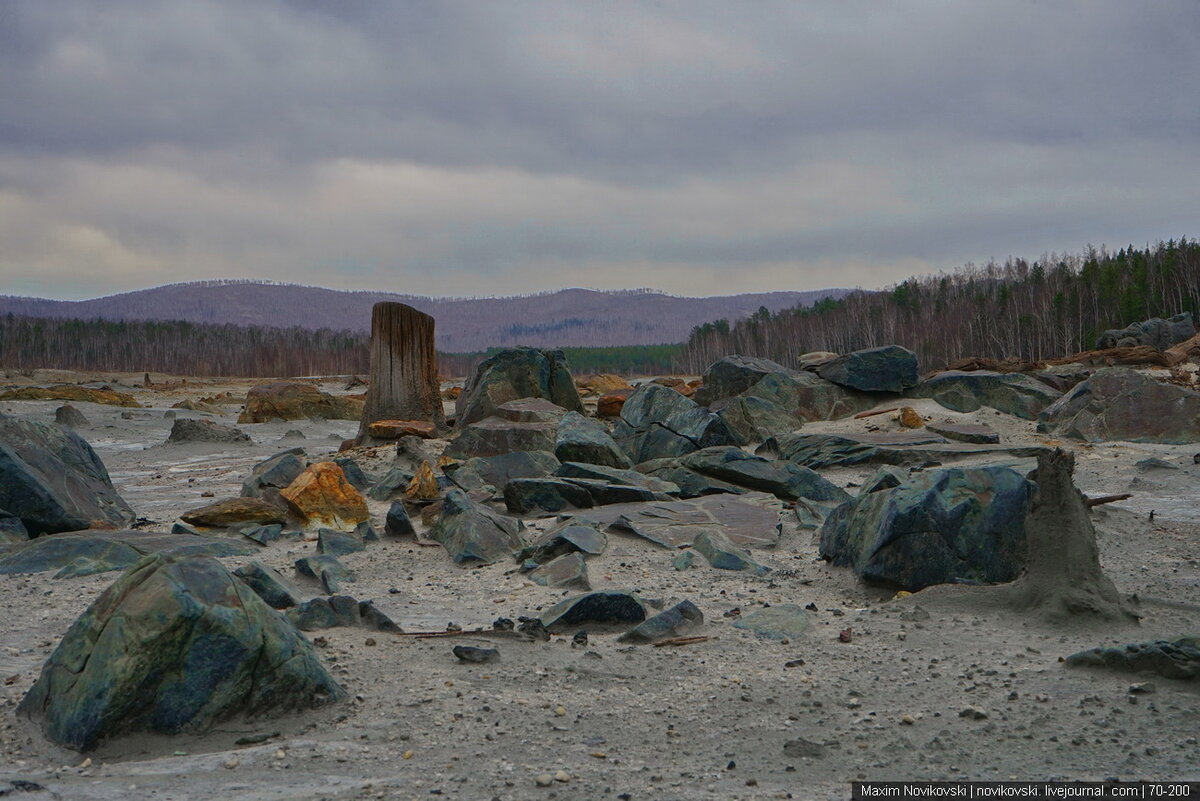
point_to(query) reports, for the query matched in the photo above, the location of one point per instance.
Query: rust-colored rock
(610, 403)
(234, 511)
(424, 485)
(1134, 355)
(451, 393)
(72, 393)
(322, 496)
(601, 383)
(394, 429)
(668, 381)
(296, 401)
(910, 419)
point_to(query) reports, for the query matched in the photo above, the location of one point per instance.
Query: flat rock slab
(817, 451)
(571, 537)
(974, 433)
(608, 608)
(568, 570)
(83, 553)
(1173, 659)
(682, 618)
(782, 622)
(751, 520)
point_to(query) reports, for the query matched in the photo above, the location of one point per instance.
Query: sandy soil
(636, 722)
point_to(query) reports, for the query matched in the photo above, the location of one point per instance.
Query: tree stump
(404, 379)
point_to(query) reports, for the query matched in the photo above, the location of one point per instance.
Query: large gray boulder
(270, 476)
(1156, 332)
(758, 398)
(490, 473)
(967, 391)
(472, 533)
(176, 645)
(783, 479)
(517, 373)
(585, 439)
(53, 481)
(187, 429)
(940, 526)
(733, 375)
(890, 368)
(1118, 403)
(493, 436)
(657, 422)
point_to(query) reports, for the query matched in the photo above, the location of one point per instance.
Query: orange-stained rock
(610, 403)
(72, 393)
(322, 496)
(234, 511)
(451, 393)
(910, 419)
(424, 486)
(601, 383)
(668, 381)
(394, 429)
(686, 390)
(296, 401)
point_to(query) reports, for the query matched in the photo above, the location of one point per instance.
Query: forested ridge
(1053, 306)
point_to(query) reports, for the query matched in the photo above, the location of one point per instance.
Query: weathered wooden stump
(404, 379)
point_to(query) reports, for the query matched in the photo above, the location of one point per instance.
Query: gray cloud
(488, 148)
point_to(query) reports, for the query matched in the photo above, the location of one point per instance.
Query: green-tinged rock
(397, 523)
(263, 535)
(890, 368)
(530, 410)
(606, 608)
(964, 525)
(471, 532)
(339, 543)
(84, 553)
(722, 554)
(733, 375)
(683, 560)
(782, 622)
(340, 611)
(614, 475)
(394, 481)
(680, 619)
(1118, 403)
(540, 495)
(327, 569)
(52, 480)
(1011, 393)
(354, 473)
(517, 373)
(689, 483)
(175, 645)
(570, 537)
(753, 419)
(12, 530)
(750, 520)
(271, 586)
(817, 451)
(493, 436)
(585, 439)
(1173, 659)
(568, 570)
(974, 433)
(782, 479)
(491, 473)
(658, 422)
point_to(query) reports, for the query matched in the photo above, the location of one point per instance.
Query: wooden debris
(682, 640)
(1108, 499)
(874, 412)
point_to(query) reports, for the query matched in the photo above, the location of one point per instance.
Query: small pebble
(560, 711)
(543, 780)
(562, 776)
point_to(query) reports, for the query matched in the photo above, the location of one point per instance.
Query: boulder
(819, 451)
(1156, 332)
(582, 439)
(539, 495)
(186, 429)
(688, 483)
(517, 373)
(234, 512)
(754, 419)
(394, 429)
(975, 433)
(1118, 403)
(289, 400)
(397, 522)
(733, 375)
(339, 543)
(273, 588)
(493, 436)
(962, 525)
(393, 482)
(471, 532)
(1011, 393)
(568, 570)
(71, 392)
(85, 553)
(614, 475)
(781, 478)
(610, 403)
(890, 368)
(722, 554)
(750, 520)
(758, 397)
(270, 476)
(608, 608)
(571, 537)
(657, 422)
(325, 568)
(12, 530)
(601, 383)
(67, 415)
(357, 477)
(492, 473)
(340, 611)
(1172, 659)
(321, 496)
(52, 480)
(530, 410)
(175, 645)
(682, 618)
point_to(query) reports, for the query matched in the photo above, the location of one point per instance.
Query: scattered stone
(530, 410)
(186, 429)
(909, 418)
(340, 611)
(263, 535)
(491, 473)
(234, 512)
(517, 373)
(750, 520)
(193, 646)
(818, 451)
(270, 476)
(683, 560)
(471, 532)
(973, 713)
(338, 543)
(85, 553)
(962, 525)
(534, 628)
(327, 569)
(493, 436)
(887, 369)
(572, 536)
(610, 403)
(68, 415)
(52, 480)
(270, 585)
(657, 422)
(1158, 333)
(424, 485)
(610, 607)
(779, 622)
(287, 400)
(393, 481)
(321, 496)
(680, 619)
(974, 433)
(394, 429)
(582, 439)
(1118, 403)
(71, 392)
(1172, 659)
(525, 495)
(568, 571)
(783, 479)
(397, 522)
(722, 554)
(803, 749)
(614, 475)
(469, 653)
(1011, 393)
(1154, 463)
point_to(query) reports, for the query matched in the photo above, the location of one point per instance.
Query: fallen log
(1108, 499)
(874, 412)
(682, 640)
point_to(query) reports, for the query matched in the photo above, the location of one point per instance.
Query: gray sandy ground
(692, 722)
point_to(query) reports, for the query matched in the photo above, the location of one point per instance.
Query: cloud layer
(491, 148)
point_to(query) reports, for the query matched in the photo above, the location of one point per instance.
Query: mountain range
(562, 318)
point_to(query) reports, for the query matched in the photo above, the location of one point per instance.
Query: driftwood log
(404, 379)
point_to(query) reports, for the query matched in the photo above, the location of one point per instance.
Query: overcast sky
(491, 148)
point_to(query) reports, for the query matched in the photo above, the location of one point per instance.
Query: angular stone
(288, 400)
(270, 476)
(490, 473)
(493, 436)
(186, 429)
(394, 429)
(469, 653)
(424, 485)
(271, 586)
(683, 560)
(397, 523)
(537, 495)
(602, 492)
(582, 439)
(613, 475)
(53, 481)
(530, 410)
(263, 535)
(974, 433)
(611, 607)
(393, 482)
(321, 496)
(1158, 333)
(513, 374)
(779, 622)
(890, 368)
(610, 403)
(325, 568)
(12, 530)
(338, 543)
(340, 611)
(568, 570)
(750, 520)
(657, 422)
(1118, 403)
(568, 538)
(470, 532)
(689, 483)
(175, 645)
(234, 512)
(357, 477)
(722, 554)
(601, 383)
(818, 451)
(68, 415)
(753, 419)
(1173, 659)
(84, 553)
(1011, 393)
(783, 479)
(964, 525)
(680, 619)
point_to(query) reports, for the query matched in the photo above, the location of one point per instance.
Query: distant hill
(568, 317)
